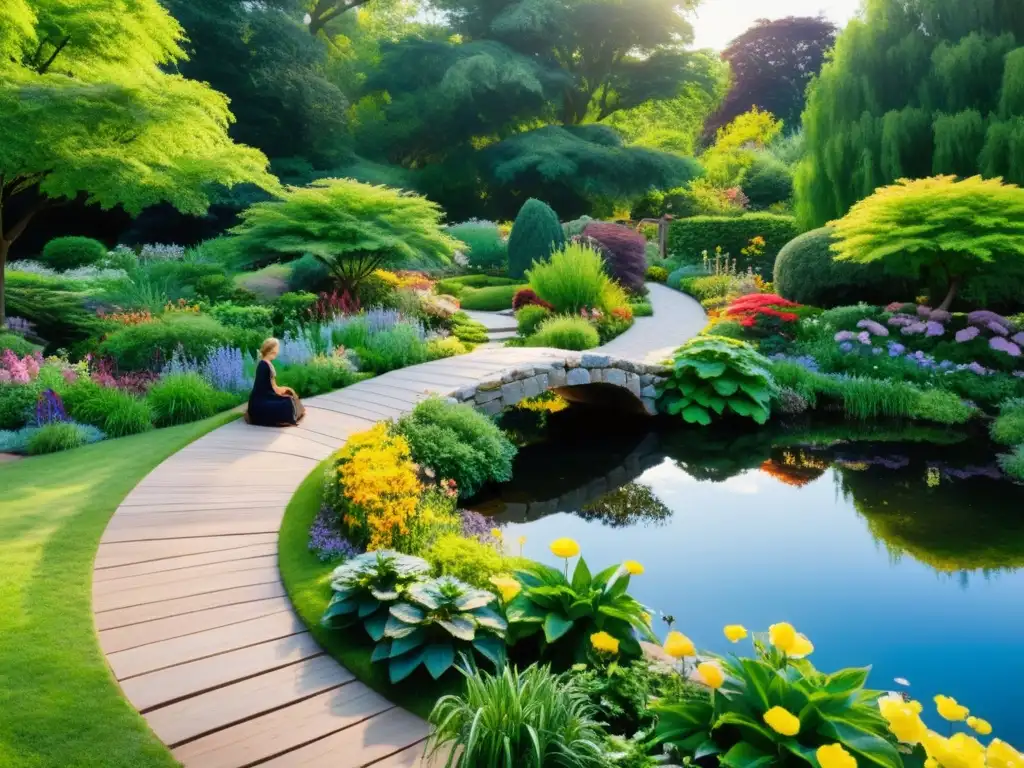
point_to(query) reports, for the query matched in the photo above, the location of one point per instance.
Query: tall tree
(88, 112)
(772, 63)
(912, 90)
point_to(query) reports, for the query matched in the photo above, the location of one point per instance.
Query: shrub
(63, 253)
(367, 585)
(575, 227)
(689, 238)
(572, 280)
(1013, 463)
(657, 274)
(317, 376)
(485, 248)
(446, 347)
(251, 317)
(470, 560)
(309, 274)
(529, 719)
(767, 182)
(711, 374)
(490, 299)
(114, 411)
(61, 436)
(642, 309)
(180, 398)
(679, 274)
(454, 286)
(1008, 427)
(388, 350)
(565, 332)
(19, 345)
(467, 330)
(17, 402)
(529, 318)
(147, 346)
(708, 287)
(536, 234)
(942, 407)
(58, 315)
(528, 297)
(458, 443)
(623, 251)
(807, 272)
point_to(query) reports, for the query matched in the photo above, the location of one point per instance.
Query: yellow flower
(802, 647)
(931, 762)
(782, 636)
(782, 721)
(508, 587)
(711, 674)
(1002, 755)
(678, 645)
(958, 751)
(735, 632)
(949, 709)
(904, 718)
(496, 533)
(565, 548)
(980, 726)
(834, 756)
(634, 568)
(602, 641)
(522, 540)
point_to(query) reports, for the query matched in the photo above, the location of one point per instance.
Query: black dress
(266, 407)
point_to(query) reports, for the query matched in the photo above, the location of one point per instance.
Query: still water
(889, 550)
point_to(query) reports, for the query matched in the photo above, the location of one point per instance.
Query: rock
(577, 376)
(596, 375)
(556, 378)
(466, 393)
(649, 391)
(649, 405)
(492, 408)
(633, 383)
(488, 385)
(615, 376)
(531, 387)
(512, 393)
(486, 396)
(646, 379)
(595, 361)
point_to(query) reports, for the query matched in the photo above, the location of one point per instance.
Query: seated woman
(269, 404)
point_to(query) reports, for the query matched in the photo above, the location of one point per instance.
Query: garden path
(189, 605)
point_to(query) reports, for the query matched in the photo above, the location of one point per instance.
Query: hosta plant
(712, 375)
(776, 709)
(568, 611)
(367, 585)
(434, 620)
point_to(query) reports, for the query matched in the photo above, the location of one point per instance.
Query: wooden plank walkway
(189, 605)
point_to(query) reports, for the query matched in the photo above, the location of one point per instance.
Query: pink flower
(5, 376)
(895, 306)
(967, 334)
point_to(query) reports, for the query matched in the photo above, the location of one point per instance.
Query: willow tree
(350, 227)
(914, 90)
(935, 228)
(88, 111)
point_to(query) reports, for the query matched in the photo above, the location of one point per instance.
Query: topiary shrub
(485, 248)
(767, 182)
(689, 238)
(807, 272)
(489, 299)
(458, 443)
(180, 398)
(623, 251)
(114, 411)
(529, 318)
(63, 253)
(712, 374)
(149, 345)
(565, 332)
(536, 234)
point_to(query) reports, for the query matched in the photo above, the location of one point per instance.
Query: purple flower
(876, 350)
(984, 317)
(846, 346)
(805, 361)
(997, 329)
(967, 334)
(940, 316)
(899, 321)
(896, 349)
(325, 540)
(476, 526)
(844, 336)
(49, 408)
(933, 328)
(1018, 339)
(224, 368)
(1000, 344)
(913, 329)
(977, 368)
(876, 329)
(923, 311)
(864, 337)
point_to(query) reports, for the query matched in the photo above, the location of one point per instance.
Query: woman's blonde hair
(267, 346)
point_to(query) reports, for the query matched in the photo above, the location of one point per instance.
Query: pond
(897, 549)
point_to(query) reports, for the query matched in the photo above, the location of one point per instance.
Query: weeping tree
(913, 90)
(935, 228)
(90, 113)
(352, 228)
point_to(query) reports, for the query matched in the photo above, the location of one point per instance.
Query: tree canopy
(912, 90)
(89, 111)
(772, 63)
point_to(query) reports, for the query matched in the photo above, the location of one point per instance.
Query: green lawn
(60, 705)
(307, 581)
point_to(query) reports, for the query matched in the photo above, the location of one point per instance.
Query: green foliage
(114, 411)
(469, 560)
(712, 374)
(568, 611)
(143, 346)
(565, 332)
(455, 286)
(251, 317)
(689, 238)
(57, 436)
(935, 226)
(63, 253)
(832, 708)
(767, 182)
(446, 347)
(433, 621)
(642, 309)
(536, 234)
(58, 314)
(352, 228)
(17, 401)
(733, 152)
(317, 376)
(489, 299)
(572, 280)
(1008, 427)
(180, 398)
(458, 443)
(807, 272)
(657, 274)
(19, 345)
(398, 347)
(529, 318)
(708, 287)
(1012, 463)
(575, 227)
(291, 308)
(309, 274)
(942, 407)
(532, 719)
(485, 247)
(467, 330)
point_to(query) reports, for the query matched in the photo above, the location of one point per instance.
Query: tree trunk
(5, 247)
(954, 286)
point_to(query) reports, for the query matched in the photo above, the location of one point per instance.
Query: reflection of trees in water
(632, 504)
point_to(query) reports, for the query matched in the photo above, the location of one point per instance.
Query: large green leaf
(338, 608)
(744, 755)
(581, 577)
(747, 724)
(522, 609)
(707, 370)
(401, 667)
(581, 609)
(406, 643)
(868, 745)
(381, 651)
(395, 627)
(367, 606)
(555, 626)
(407, 613)
(694, 414)
(375, 625)
(476, 599)
(726, 386)
(491, 647)
(488, 618)
(459, 627)
(757, 676)
(846, 680)
(384, 594)
(438, 658)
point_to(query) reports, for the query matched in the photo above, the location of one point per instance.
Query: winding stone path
(189, 605)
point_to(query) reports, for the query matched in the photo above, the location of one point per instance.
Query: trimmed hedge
(689, 238)
(536, 234)
(64, 253)
(490, 299)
